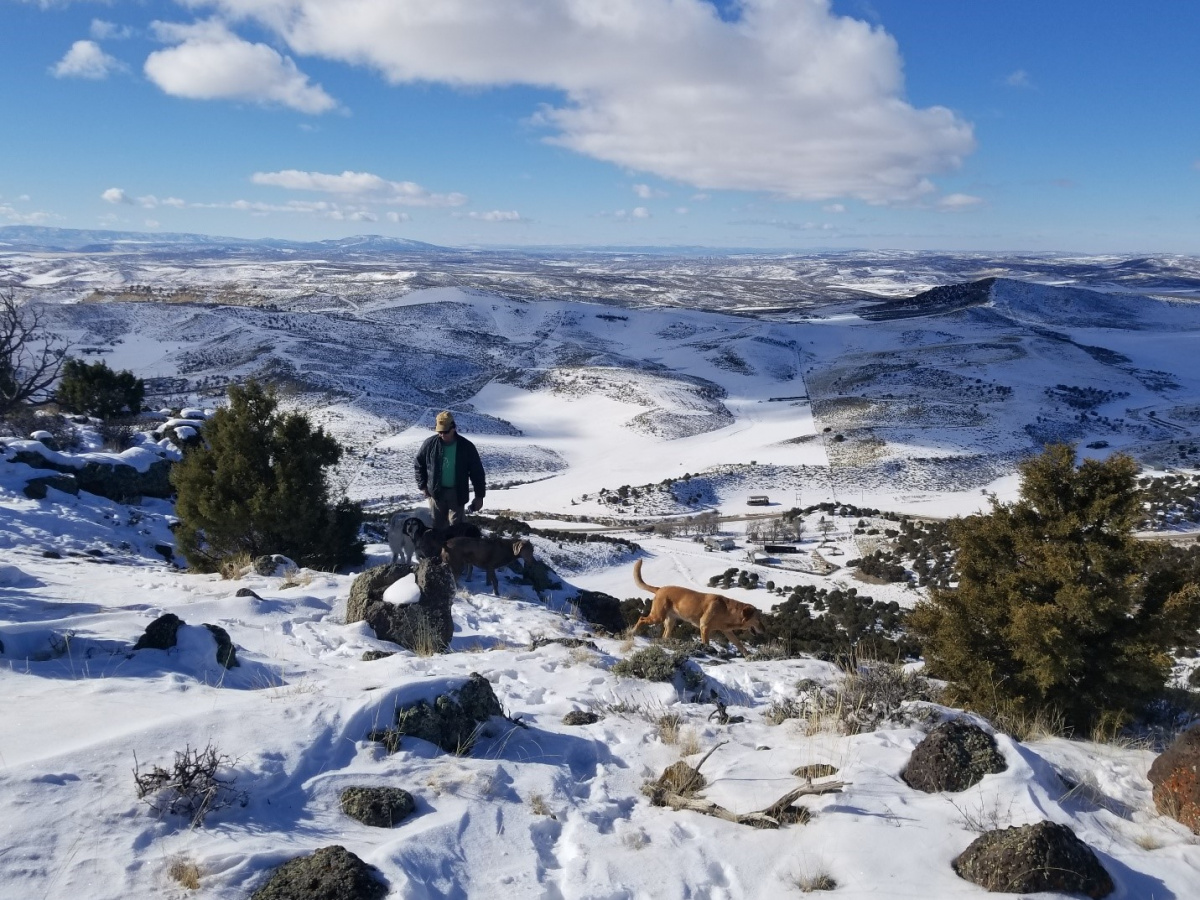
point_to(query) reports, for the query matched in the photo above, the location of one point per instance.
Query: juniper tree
(1057, 605)
(257, 485)
(96, 390)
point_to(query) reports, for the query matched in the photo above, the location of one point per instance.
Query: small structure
(758, 500)
(714, 542)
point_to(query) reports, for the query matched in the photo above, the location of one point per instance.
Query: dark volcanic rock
(1032, 858)
(372, 655)
(226, 655)
(35, 488)
(580, 717)
(1175, 776)
(115, 480)
(602, 610)
(331, 873)
(368, 588)
(952, 757)
(160, 634)
(379, 807)
(452, 721)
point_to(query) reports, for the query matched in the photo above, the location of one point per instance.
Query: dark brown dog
(708, 612)
(487, 553)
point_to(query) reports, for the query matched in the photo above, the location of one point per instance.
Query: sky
(778, 124)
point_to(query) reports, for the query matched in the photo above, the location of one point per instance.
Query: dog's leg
(732, 638)
(668, 625)
(494, 580)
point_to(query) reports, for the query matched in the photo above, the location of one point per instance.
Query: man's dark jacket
(467, 468)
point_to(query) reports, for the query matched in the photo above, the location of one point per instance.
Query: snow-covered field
(564, 399)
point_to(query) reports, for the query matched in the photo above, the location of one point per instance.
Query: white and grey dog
(403, 533)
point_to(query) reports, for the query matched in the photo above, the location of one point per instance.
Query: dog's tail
(637, 577)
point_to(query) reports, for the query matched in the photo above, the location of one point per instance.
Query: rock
(115, 480)
(602, 610)
(1042, 857)
(379, 807)
(580, 717)
(166, 551)
(452, 721)
(51, 554)
(331, 873)
(425, 627)
(1175, 777)
(372, 655)
(226, 655)
(160, 634)
(246, 592)
(36, 488)
(368, 588)
(573, 643)
(952, 757)
(272, 564)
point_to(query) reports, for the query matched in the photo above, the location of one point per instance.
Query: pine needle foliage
(1058, 606)
(257, 486)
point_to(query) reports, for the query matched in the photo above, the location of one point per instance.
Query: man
(447, 466)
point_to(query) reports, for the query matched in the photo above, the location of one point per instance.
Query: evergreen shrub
(96, 390)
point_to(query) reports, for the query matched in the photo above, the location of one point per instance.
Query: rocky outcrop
(424, 627)
(36, 488)
(452, 721)
(115, 480)
(1042, 857)
(952, 757)
(226, 655)
(331, 873)
(1175, 777)
(379, 807)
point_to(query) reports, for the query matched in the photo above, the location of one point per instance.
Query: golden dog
(708, 612)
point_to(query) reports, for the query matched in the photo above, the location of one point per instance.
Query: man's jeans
(446, 508)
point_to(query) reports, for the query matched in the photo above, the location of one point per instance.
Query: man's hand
(477, 504)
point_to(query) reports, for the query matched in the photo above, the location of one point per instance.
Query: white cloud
(12, 214)
(115, 195)
(398, 217)
(496, 215)
(108, 31)
(834, 208)
(209, 62)
(1019, 79)
(682, 210)
(648, 193)
(152, 223)
(958, 202)
(85, 59)
(638, 212)
(784, 97)
(361, 185)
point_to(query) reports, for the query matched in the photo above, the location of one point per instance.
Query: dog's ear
(748, 613)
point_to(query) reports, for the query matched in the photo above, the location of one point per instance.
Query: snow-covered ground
(565, 400)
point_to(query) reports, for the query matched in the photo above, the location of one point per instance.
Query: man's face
(447, 436)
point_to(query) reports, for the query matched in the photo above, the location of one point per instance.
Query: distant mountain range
(75, 240)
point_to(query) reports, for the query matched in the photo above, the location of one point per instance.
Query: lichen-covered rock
(452, 721)
(580, 717)
(952, 757)
(1042, 857)
(1175, 777)
(331, 873)
(368, 588)
(424, 627)
(379, 807)
(226, 654)
(160, 634)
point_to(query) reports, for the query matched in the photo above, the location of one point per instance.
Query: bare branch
(30, 358)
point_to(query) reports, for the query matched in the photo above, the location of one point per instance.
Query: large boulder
(953, 757)
(1175, 777)
(379, 807)
(368, 588)
(424, 627)
(37, 488)
(331, 873)
(1042, 857)
(452, 721)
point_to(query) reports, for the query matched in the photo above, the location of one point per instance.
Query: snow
(80, 580)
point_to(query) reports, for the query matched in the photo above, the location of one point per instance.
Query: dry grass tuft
(689, 742)
(669, 725)
(233, 567)
(184, 872)
(537, 806)
(295, 577)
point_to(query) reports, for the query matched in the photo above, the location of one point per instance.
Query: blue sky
(790, 124)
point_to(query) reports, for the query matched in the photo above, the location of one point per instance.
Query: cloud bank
(786, 98)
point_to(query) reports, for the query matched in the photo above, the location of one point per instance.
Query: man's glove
(477, 504)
